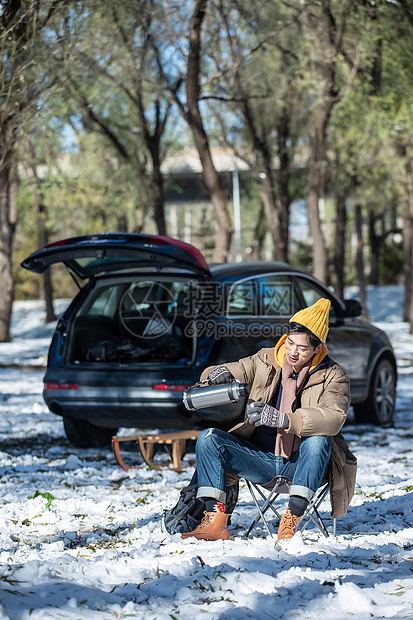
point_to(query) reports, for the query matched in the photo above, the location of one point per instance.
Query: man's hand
(261, 414)
(220, 374)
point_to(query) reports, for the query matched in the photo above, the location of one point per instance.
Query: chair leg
(318, 522)
(311, 513)
(269, 499)
(268, 503)
(312, 509)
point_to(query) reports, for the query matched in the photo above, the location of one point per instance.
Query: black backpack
(188, 512)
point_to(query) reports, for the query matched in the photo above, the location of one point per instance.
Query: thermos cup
(202, 395)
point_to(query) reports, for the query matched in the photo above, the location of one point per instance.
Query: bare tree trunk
(122, 223)
(157, 187)
(259, 235)
(316, 186)
(331, 38)
(277, 211)
(360, 259)
(274, 224)
(284, 177)
(407, 218)
(340, 244)
(41, 214)
(155, 184)
(411, 316)
(195, 121)
(317, 236)
(7, 228)
(277, 208)
(47, 283)
(375, 244)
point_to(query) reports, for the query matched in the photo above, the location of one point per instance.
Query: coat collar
(279, 354)
(316, 377)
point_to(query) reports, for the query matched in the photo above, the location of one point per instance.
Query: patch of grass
(47, 496)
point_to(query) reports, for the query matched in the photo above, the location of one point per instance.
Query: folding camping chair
(280, 486)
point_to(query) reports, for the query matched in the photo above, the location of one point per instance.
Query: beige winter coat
(322, 410)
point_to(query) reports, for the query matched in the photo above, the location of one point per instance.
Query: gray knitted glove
(262, 414)
(220, 374)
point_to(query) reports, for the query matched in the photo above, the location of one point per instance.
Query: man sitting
(299, 400)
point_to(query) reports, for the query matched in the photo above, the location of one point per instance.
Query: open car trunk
(126, 319)
(133, 321)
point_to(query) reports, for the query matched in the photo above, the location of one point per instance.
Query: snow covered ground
(82, 539)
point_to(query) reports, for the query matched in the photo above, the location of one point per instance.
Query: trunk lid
(90, 255)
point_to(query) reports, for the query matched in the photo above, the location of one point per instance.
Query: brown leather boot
(288, 525)
(214, 526)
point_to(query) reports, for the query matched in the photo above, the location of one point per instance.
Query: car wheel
(379, 407)
(83, 434)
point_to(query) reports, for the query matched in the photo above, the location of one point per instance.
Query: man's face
(298, 350)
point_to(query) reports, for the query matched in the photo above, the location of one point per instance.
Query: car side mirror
(353, 308)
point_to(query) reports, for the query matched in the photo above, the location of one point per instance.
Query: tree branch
(96, 119)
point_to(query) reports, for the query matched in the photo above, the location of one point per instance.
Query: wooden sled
(146, 444)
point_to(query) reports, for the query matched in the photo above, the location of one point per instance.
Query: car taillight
(169, 387)
(61, 386)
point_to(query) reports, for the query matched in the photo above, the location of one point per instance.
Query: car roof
(228, 271)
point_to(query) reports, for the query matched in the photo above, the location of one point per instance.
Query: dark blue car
(151, 315)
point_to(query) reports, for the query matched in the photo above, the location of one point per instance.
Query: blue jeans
(217, 451)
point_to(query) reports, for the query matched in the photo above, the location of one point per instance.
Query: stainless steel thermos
(203, 395)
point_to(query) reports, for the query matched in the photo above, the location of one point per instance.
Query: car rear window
(170, 298)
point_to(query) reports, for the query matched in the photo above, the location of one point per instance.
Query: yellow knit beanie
(314, 318)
